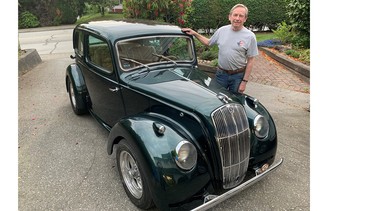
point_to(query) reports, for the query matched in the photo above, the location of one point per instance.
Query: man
(237, 49)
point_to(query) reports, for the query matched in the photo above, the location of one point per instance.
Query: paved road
(63, 163)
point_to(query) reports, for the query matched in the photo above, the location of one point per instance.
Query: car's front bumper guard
(213, 200)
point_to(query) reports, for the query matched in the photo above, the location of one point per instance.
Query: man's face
(238, 18)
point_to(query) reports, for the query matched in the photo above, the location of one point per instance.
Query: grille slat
(233, 139)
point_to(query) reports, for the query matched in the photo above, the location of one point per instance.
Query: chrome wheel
(72, 96)
(131, 174)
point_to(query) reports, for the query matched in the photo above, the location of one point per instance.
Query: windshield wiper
(164, 57)
(136, 62)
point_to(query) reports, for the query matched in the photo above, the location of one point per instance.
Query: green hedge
(211, 14)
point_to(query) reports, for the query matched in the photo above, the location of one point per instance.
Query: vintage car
(181, 140)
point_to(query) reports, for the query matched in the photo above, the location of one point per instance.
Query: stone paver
(269, 72)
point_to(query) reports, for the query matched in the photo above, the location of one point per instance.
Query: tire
(76, 100)
(134, 174)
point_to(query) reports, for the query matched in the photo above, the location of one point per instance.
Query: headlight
(186, 155)
(261, 127)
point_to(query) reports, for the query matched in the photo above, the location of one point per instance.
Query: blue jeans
(230, 82)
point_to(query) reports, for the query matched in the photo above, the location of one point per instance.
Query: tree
(102, 4)
(299, 15)
(52, 12)
(172, 11)
(212, 14)
(299, 19)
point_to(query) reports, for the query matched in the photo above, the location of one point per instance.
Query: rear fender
(74, 73)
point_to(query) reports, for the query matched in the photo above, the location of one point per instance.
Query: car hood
(187, 88)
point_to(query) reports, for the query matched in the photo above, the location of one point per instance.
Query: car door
(101, 80)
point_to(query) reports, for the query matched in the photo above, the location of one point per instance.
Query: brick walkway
(269, 72)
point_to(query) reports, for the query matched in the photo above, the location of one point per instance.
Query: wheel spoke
(131, 174)
(72, 96)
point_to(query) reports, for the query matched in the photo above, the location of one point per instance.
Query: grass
(261, 36)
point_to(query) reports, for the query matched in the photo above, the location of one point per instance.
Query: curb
(28, 61)
(297, 67)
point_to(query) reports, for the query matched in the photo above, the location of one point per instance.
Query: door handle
(114, 89)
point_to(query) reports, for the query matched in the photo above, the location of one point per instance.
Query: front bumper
(214, 200)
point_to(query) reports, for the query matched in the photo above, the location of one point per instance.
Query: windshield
(157, 49)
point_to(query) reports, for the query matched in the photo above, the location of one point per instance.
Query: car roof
(115, 29)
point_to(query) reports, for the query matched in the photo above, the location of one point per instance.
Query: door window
(99, 54)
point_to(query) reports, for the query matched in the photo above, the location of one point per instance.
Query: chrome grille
(233, 139)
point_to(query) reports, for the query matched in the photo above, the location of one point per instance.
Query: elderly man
(237, 49)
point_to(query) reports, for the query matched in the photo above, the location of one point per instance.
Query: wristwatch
(245, 80)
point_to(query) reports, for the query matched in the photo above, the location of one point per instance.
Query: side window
(99, 53)
(78, 43)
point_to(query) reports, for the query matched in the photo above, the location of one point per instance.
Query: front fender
(169, 183)
(265, 149)
(74, 73)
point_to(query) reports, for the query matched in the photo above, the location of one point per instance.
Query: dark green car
(181, 140)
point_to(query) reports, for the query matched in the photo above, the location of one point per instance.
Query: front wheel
(134, 174)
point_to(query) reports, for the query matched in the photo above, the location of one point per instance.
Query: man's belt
(232, 72)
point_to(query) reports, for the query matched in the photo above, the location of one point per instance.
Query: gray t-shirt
(234, 47)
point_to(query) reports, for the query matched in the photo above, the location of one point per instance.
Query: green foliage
(284, 32)
(209, 14)
(52, 12)
(288, 35)
(301, 41)
(215, 62)
(64, 12)
(266, 12)
(208, 55)
(172, 11)
(27, 20)
(179, 49)
(299, 15)
(305, 56)
(261, 36)
(292, 53)
(212, 14)
(98, 17)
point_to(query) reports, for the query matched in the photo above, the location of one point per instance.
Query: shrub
(284, 32)
(305, 56)
(208, 55)
(27, 20)
(293, 53)
(301, 41)
(215, 62)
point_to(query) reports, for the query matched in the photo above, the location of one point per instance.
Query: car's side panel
(101, 81)
(169, 184)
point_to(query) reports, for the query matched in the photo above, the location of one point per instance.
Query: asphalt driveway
(63, 164)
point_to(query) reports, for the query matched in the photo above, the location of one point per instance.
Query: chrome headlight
(261, 127)
(186, 155)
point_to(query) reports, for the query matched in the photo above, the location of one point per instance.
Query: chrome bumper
(218, 199)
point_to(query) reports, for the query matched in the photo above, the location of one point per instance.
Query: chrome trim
(233, 140)
(218, 199)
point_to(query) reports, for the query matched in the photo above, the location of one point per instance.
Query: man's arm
(204, 40)
(249, 67)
